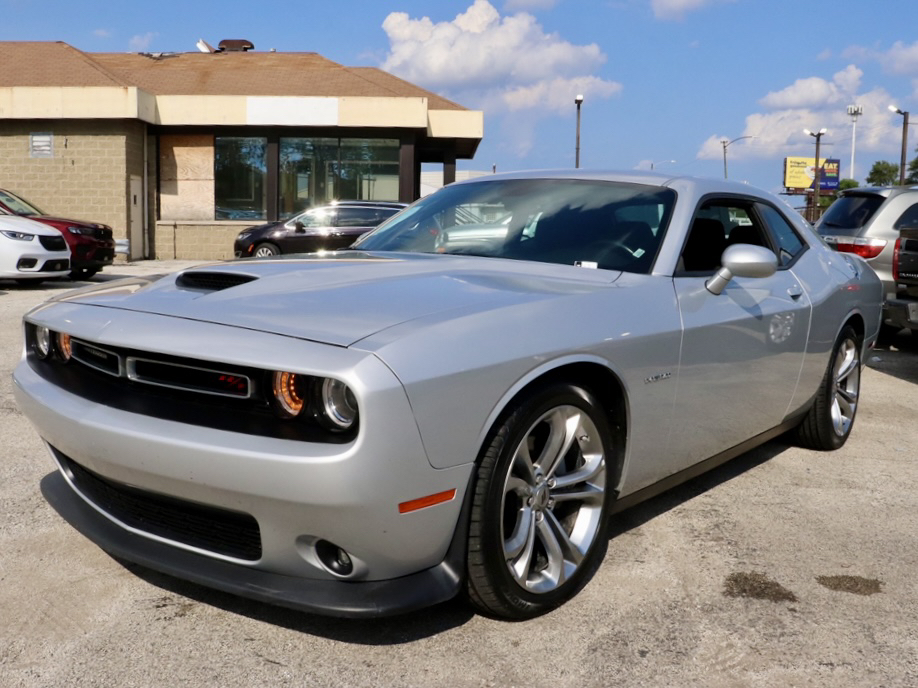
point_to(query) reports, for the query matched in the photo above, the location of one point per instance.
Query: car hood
(341, 298)
(68, 223)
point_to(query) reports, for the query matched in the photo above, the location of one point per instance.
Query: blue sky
(662, 79)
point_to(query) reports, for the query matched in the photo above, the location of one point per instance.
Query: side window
(718, 224)
(908, 219)
(357, 217)
(789, 244)
(317, 217)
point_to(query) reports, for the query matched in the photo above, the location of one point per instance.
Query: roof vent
(235, 45)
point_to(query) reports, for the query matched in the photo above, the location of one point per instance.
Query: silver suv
(867, 221)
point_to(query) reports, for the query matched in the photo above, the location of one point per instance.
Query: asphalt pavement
(784, 567)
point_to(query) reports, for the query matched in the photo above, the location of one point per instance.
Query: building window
(313, 171)
(240, 172)
(41, 145)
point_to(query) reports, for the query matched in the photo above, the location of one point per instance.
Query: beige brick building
(179, 151)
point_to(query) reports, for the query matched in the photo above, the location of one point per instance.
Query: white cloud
(498, 63)
(514, 5)
(815, 91)
(677, 9)
(101, 33)
(141, 42)
(901, 58)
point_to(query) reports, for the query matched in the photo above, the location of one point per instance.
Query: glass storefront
(240, 175)
(311, 171)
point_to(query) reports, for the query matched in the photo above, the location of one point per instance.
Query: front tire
(541, 504)
(83, 273)
(828, 423)
(266, 250)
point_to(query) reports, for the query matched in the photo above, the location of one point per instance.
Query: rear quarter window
(850, 212)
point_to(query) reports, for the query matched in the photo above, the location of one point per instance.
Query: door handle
(795, 292)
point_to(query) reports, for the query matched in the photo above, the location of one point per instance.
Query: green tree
(912, 172)
(847, 184)
(883, 174)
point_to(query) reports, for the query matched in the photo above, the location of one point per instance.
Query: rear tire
(541, 503)
(828, 423)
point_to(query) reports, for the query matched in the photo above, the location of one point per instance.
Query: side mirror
(742, 260)
(298, 227)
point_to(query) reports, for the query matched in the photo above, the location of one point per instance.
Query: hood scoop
(202, 280)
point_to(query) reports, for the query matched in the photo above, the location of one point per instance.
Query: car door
(743, 349)
(303, 229)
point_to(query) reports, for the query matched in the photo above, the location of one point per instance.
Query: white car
(31, 251)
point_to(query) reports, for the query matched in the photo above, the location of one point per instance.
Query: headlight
(64, 346)
(289, 393)
(18, 236)
(80, 230)
(243, 235)
(336, 405)
(42, 341)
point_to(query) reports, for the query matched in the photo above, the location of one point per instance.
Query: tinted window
(908, 219)
(788, 243)
(317, 217)
(240, 170)
(850, 212)
(358, 217)
(592, 224)
(717, 224)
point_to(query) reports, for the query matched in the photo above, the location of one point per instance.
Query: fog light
(42, 341)
(64, 346)
(334, 558)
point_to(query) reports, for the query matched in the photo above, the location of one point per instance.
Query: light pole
(854, 111)
(816, 170)
(578, 100)
(658, 162)
(726, 143)
(904, 114)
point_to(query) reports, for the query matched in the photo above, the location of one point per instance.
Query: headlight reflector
(288, 393)
(18, 236)
(336, 405)
(42, 341)
(64, 346)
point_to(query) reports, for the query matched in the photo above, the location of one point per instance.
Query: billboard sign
(799, 174)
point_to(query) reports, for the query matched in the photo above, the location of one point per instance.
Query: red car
(92, 245)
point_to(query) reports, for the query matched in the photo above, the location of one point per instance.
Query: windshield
(17, 205)
(607, 225)
(850, 212)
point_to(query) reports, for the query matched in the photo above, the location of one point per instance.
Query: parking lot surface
(784, 567)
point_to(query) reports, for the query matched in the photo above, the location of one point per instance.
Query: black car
(326, 227)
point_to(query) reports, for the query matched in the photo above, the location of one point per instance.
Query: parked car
(326, 227)
(866, 222)
(371, 431)
(904, 307)
(30, 251)
(92, 246)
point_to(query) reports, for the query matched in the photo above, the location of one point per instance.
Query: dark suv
(867, 221)
(92, 245)
(327, 227)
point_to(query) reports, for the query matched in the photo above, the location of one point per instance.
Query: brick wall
(87, 178)
(196, 240)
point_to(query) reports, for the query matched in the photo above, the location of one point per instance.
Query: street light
(726, 143)
(816, 170)
(854, 111)
(904, 114)
(578, 100)
(660, 162)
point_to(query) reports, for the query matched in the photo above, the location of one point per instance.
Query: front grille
(229, 533)
(53, 243)
(212, 281)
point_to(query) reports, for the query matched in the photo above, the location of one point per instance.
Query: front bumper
(298, 492)
(328, 597)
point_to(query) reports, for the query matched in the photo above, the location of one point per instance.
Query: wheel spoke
(588, 494)
(594, 466)
(563, 555)
(519, 548)
(563, 424)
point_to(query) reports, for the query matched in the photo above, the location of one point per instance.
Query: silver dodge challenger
(458, 403)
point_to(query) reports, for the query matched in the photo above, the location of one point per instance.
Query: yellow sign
(799, 173)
